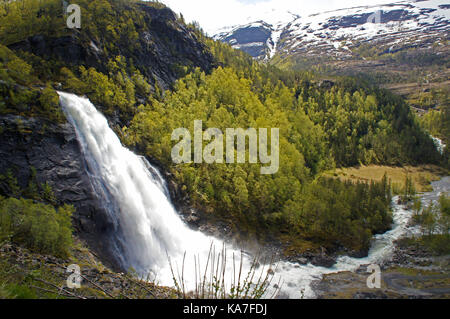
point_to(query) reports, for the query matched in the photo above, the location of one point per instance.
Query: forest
(341, 123)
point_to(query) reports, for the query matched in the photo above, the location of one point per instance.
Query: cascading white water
(149, 230)
(439, 144)
(136, 195)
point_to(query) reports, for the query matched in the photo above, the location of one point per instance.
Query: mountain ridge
(322, 32)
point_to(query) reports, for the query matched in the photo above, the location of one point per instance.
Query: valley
(402, 46)
(416, 269)
(353, 101)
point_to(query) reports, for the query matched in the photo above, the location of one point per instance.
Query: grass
(213, 282)
(28, 275)
(422, 176)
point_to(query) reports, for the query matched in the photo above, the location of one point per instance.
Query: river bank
(413, 269)
(150, 237)
(414, 272)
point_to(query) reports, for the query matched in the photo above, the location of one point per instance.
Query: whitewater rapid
(149, 231)
(440, 146)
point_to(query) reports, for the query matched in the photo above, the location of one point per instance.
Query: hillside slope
(403, 42)
(150, 73)
(125, 53)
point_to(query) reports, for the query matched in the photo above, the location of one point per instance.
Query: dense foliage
(437, 123)
(17, 94)
(29, 217)
(342, 123)
(289, 202)
(36, 226)
(368, 126)
(25, 18)
(115, 85)
(434, 220)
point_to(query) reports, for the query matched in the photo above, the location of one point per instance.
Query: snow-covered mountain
(395, 26)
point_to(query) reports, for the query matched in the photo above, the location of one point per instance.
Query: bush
(37, 226)
(439, 244)
(49, 101)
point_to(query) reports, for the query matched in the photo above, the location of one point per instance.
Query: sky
(215, 14)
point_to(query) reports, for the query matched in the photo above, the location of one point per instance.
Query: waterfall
(134, 194)
(148, 230)
(440, 146)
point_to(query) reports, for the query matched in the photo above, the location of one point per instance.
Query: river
(149, 231)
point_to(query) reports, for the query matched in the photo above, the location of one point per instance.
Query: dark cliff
(160, 50)
(52, 150)
(164, 45)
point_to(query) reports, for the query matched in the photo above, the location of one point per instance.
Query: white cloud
(215, 14)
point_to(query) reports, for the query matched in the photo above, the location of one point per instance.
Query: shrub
(37, 226)
(49, 101)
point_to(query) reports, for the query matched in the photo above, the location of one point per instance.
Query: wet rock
(324, 261)
(358, 253)
(193, 219)
(301, 260)
(282, 295)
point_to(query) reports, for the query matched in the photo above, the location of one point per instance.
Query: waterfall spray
(148, 230)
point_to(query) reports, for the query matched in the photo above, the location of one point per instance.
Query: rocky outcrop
(252, 39)
(413, 272)
(168, 44)
(162, 49)
(69, 49)
(53, 151)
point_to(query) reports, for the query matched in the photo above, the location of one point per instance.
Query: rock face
(254, 38)
(169, 44)
(164, 47)
(68, 49)
(54, 152)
